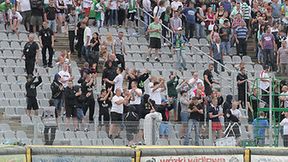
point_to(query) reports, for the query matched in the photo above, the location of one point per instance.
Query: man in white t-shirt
(65, 75)
(87, 36)
(116, 114)
(118, 80)
(264, 84)
(136, 94)
(193, 83)
(156, 90)
(24, 8)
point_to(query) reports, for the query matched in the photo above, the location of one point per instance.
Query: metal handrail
(151, 16)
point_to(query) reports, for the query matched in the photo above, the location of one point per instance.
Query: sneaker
(76, 130)
(67, 129)
(147, 59)
(157, 59)
(50, 66)
(86, 130)
(185, 68)
(45, 66)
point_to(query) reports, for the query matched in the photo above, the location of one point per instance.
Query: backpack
(48, 117)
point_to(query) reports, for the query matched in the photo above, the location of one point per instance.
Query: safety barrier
(12, 153)
(141, 154)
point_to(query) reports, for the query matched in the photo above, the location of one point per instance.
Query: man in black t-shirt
(225, 32)
(208, 80)
(104, 102)
(46, 38)
(50, 16)
(196, 112)
(87, 90)
(30, 54)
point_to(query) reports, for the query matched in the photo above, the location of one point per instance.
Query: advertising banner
(268, 158)
(194, 158)
(55, 158)
(12, 158)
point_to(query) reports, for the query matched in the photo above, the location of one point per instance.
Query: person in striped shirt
(241, 35)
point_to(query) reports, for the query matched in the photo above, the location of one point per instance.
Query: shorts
(106, 118)
(26, 16)
(36, 20)
(184, 117)
(116, 118)
(216, 126)
(164, 129)
(155, 43)
(32, 103)
(71, 111)
(131, 16)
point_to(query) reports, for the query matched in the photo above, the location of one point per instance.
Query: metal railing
(171, 33)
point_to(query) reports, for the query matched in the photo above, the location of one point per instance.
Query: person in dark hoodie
(31, 94)
(57, 89)
(227, 104)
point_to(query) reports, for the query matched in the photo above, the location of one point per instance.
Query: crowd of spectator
(124, 98)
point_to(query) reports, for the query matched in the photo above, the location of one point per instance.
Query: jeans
(52, 25)
(71, 36)
(200, 31)
(85, 52)
(192, 124)
(268, 57)
(100, 23)
(58, 105)
(113, 17)
(51, 52)
(241, 46)
(49, 141)
(216, 66)
(189, 30)
(181, 63)
(260, 54)
(147, 21)
(225, 47)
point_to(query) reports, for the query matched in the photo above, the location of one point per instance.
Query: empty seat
(9, 112)
(75, 142)
(69, 135)
(236, 59)
(8, 70)
(107, 142)
(5, 87)
(14, 102)
(25, 120)
(59, 135)
(118, 142)
(21, 135)
(102, 134)
(86, 142)
(80, 135)
(9, 135)
(162, 142)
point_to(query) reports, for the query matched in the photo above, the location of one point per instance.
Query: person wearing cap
(31, 94)
(57, 89)
(164, 109)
